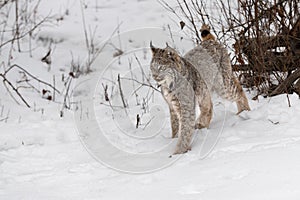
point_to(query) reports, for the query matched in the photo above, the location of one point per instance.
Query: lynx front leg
(177, 110)
(206, 108)
(186, 115)
(174, 122)
(173, 105)
(186, 129)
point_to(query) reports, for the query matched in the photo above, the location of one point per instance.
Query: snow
(43, 156)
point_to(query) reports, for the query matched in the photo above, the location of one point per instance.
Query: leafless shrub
(265, 37)
(67, 93)
(93, 48)
(19, 21)
(16, 89)
(132, 92)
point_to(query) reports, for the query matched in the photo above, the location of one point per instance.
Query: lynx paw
(182, 150)
(244, 109)
(200, 126)
(175, 135)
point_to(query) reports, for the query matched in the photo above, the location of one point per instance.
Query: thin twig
(53, 88)
(288, 98)
(141, 84)
(17, 33)
(4, 119)
(14, 89)
(148, 123)
(121, 91)
(32, 76)
(191, 18)
(133, 85)
(138, 121)
(105, 92)
(24, 34)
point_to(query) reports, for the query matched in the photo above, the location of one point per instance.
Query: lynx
(212, 61)
(181, 85)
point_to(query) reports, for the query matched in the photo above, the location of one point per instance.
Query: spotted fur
(212, 61)
(181, 85)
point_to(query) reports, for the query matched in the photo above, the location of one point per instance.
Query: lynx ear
(178, 61)
(153, 49)
(167, 45)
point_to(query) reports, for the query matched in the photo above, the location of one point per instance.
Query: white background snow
(41, 155)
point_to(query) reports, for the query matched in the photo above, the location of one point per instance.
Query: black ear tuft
(153, 49)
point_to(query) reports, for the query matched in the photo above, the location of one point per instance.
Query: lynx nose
(158, 79)
(155, 77)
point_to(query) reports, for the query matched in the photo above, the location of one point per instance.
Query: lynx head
(164, 62)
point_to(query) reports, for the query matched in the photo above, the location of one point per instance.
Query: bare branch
(32, 76)
(26, 33)
(14, 89)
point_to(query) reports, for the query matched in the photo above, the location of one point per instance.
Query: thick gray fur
(181, 85)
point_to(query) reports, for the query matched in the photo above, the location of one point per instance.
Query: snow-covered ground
(44, 156)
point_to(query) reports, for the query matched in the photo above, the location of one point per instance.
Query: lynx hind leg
(233, 91)
(241, 101)
(206, 110)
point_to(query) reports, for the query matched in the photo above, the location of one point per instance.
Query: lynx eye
(162, 68)
(170, 54)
